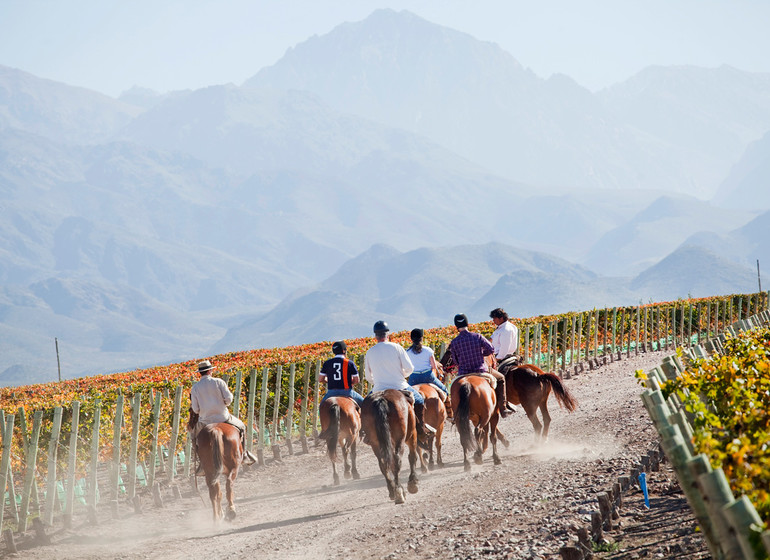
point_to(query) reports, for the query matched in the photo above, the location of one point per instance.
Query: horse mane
(192, 421)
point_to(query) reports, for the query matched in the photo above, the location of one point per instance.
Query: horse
(530, 386)
(435, 414)
(220, 452)
(475, 405)
(389, 423)
(340, 424)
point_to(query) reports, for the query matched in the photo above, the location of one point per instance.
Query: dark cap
(461, 320)
(339, 347)
(380, 327)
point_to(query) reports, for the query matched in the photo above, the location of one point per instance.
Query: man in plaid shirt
(468, 350)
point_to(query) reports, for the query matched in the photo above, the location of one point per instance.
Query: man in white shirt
(387, 367)
(505, 339)
(209, 399)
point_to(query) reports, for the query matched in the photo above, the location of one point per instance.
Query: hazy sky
(111, 45)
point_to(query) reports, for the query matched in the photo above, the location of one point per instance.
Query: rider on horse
(209, 399)
(424, 363)
(340, 374)
(468, 350)
(387, 367)
(505, 340)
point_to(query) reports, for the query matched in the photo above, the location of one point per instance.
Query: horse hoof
(336, 480)
(498, 461)
(423, 469)
(230, 515)
(478, 460)
(412, 487)
(400, 497)
(356, 476)
(348, 475)
(467, 466)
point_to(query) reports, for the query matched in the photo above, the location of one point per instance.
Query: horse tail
(381, 407)
(463, 420)
(332, 431)
(217, 450)
(563, 396)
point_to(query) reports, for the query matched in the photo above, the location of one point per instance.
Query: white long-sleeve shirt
(505, 339)
(209, 398)
(387, 366)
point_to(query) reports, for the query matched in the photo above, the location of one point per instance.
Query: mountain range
(391, 168)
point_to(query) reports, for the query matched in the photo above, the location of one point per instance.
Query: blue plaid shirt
(468, 350)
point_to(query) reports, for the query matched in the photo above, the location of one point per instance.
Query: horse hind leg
(215, 495)
(400, 495)
(345, 448)
(412, 485)
(546, 421)
(353, 469)
(230, 495)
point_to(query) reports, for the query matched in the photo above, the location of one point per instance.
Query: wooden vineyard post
(740, 308)
(69, 505)
(572, 341)
(250, 410)
(614, 329)
(646, 329)
(276, 410)
(682, 324)
(154, 444)
(53, 448)
(580, 339)
(317, 391)
(237, 394)
(548, 347)
(174, 433)
(564, 343)
(262, 413)
(136, 408)
(716, 318)
(525, 349)
(92, 479)
(30, 460)
(539, 341)
(596, 334)
(116, 431)
(638, 327)
(606, 331)
(289, 423)
(5, 463)
(303, 409)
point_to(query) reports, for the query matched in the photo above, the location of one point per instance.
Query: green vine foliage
(729, 398)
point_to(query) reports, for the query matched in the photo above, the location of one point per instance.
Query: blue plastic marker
(643, 486)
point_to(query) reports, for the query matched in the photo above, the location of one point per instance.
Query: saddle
(508, 362)
(490, 378)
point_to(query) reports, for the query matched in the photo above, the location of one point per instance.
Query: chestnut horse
(530, 386)
(389, 423)
(340, 424)
(219, 452)
(474, 404)
(434, 415)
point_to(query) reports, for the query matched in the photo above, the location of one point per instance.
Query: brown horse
(435, 414)
(388, 420)
(340, 424)
(220, 453)
(530, 386)
(474, 404)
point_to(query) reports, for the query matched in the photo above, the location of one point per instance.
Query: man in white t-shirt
(387, 366)
(505, 339)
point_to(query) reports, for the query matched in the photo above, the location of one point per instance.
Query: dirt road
(527, 507)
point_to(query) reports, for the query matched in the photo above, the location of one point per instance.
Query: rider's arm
(227, 396)
(406, 364)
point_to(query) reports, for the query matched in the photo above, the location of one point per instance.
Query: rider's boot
(424, 431)
(247, 456)
(196, 457)
(502, 399)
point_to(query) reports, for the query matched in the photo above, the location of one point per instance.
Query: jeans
(344, 393)
(426, 377)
